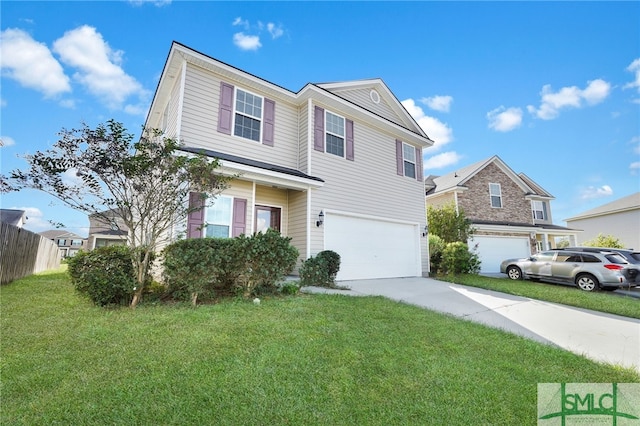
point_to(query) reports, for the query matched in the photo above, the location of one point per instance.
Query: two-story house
(509, 212)
(69, 243)
(106, 229)
(334, 166)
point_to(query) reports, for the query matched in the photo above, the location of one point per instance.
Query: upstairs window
(62, 242)
(495, 194)
(248, 115)
(539, 210)
(334, 134)
(76, 242)
(409, 160)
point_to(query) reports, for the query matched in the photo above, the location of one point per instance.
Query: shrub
(604, 241)
(436, 248)
(320, 270)
(244, 265)
(332, 261)
(457, 259)
(290, 288)
(105, 275)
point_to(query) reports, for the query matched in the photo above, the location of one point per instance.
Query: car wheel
(514, 272)
(587, 282)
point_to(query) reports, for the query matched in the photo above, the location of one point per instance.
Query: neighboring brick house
(305, 161)
(106, 229)
(509, 212)
(68, 242)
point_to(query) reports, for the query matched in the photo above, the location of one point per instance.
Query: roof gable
(630, 202)
(457, 180)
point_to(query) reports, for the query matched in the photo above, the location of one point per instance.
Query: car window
(589, 258)
(636, 256)
(564, 257)
(615, 258)
(573, 258)
(545, 256)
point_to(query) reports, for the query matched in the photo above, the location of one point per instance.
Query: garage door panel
(492, 250)
(372, 248)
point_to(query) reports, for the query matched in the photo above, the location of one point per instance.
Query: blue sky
(552, 88)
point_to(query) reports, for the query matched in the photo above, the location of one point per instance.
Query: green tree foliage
(144, 182)
(448, 223)
(436, 249)
(608, 241)
(457, 259)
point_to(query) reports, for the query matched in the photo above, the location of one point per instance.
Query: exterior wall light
(425, 231)
(320, 220)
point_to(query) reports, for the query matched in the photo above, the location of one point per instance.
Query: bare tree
(145, 183)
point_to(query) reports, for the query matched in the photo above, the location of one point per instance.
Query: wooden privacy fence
(23, 253)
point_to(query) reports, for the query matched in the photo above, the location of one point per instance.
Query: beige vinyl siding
(303, 144)
(273, 197)
(362, 97)
(200, 123)
(440, 201)
(368, 186)
(172, 118)
(297, 222)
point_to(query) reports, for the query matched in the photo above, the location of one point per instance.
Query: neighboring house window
(539, 210)
(62, 242)
(248, 115)
(496, 195)
(334, 128)
(76, 242)
(218, 217)
(409, 160)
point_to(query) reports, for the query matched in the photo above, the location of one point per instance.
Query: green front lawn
(301, 360)
(602, 301)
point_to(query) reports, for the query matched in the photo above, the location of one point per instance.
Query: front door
(267, 217)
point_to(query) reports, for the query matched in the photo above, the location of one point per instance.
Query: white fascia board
(267, 177)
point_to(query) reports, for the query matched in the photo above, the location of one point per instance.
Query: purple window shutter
(399, 158)
(349, 129)
(269, 120)
(318, 129)
(419, 170)
(239, 216)
(195, 220)
(225, 114)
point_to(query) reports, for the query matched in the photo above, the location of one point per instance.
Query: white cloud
(35, 219)
(635, 141)
(3, 103)
(99, 66)
(70, 177)
(246, 42)
(442, 160)
(634, 67)
(276, 31)
(240, 22)
(31, 64)
(438, 102)
(596, 192)
(157, 3)
(6, 141)
(439, 132)
(504, 119)
(634, 167)
(569, 97)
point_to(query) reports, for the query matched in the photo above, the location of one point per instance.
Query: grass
(598, 301)
(302, 360)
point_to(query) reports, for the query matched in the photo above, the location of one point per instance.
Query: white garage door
(493, 250)
(371, 248)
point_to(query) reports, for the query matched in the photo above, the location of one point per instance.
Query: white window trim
(235, 111)
(534, 209)
(343, 137)
(414, 162)
(206, 222)
(499, 195)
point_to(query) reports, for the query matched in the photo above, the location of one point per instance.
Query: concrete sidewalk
(602, 337)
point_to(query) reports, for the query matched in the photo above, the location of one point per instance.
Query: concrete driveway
(602, 337)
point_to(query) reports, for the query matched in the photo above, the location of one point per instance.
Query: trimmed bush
(320, 270)
(208, 267)
(105, 275)
(436, 248)
(457, 259)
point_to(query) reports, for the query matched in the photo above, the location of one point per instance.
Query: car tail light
(613, 267)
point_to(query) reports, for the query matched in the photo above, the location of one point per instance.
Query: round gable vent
(375, 96)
